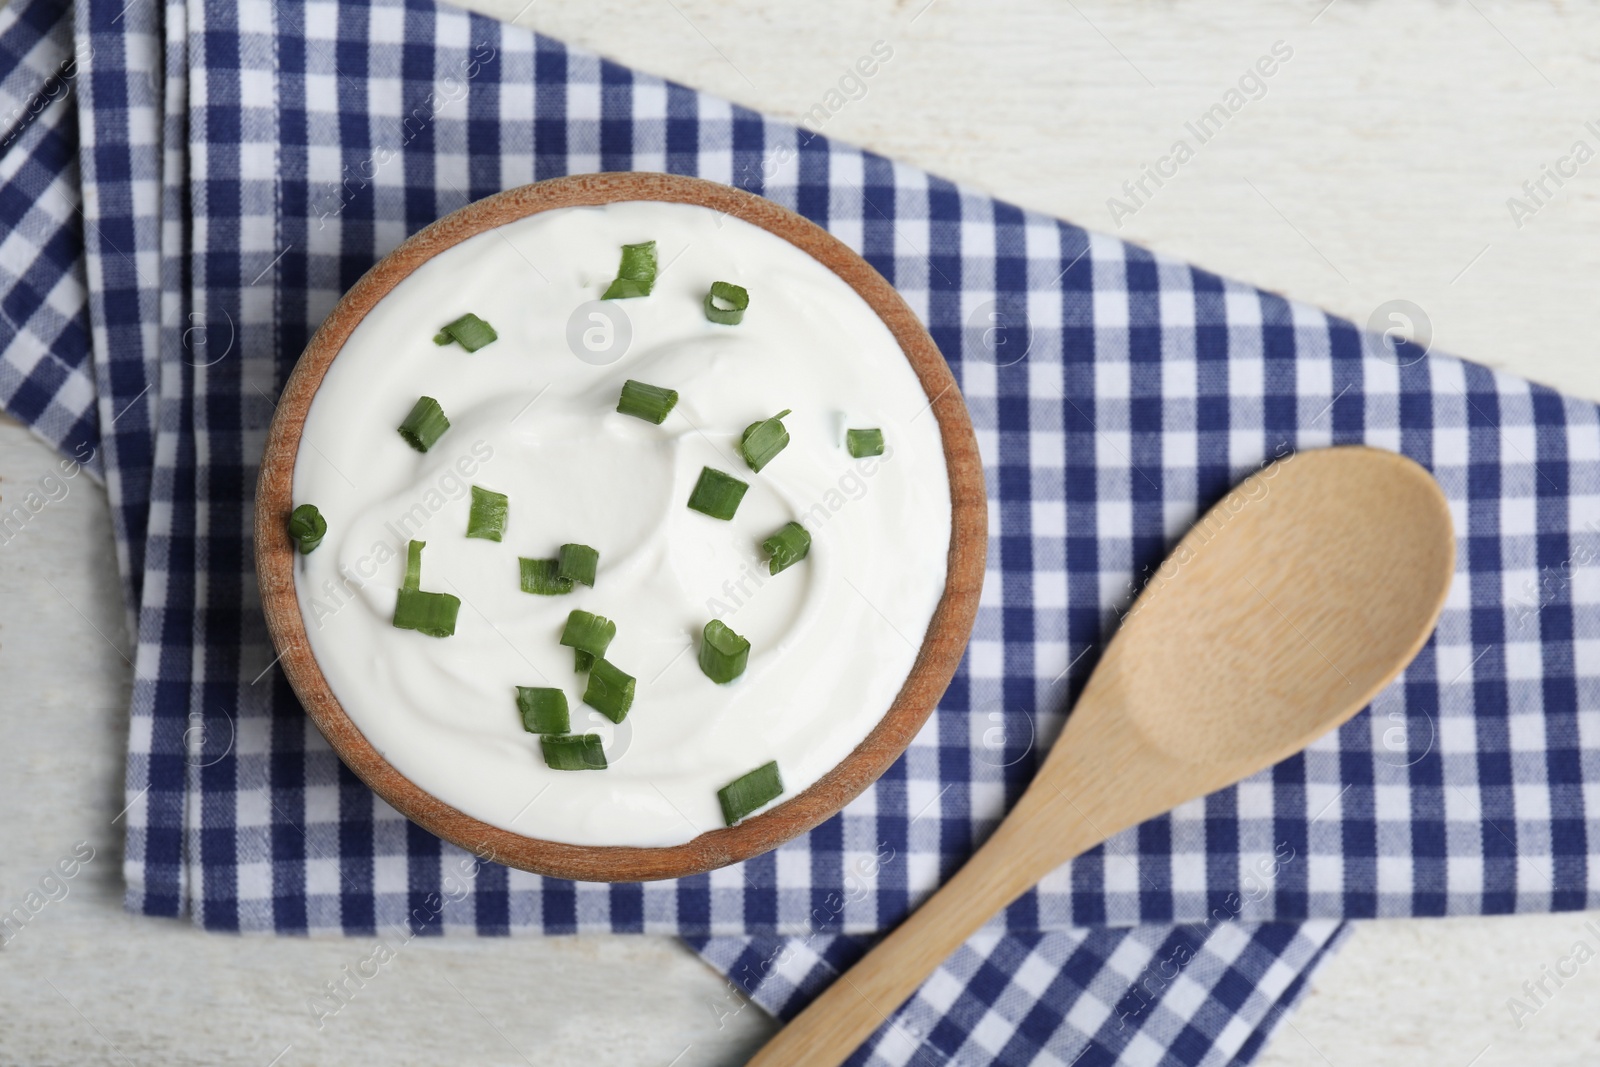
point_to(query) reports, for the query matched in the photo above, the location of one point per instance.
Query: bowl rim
(930, 675)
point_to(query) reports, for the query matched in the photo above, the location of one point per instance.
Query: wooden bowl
(936, 661)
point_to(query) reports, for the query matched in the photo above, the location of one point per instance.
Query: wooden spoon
(1282, 613)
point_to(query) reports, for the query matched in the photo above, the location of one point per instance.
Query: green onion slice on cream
(433, 614)
(750, 791)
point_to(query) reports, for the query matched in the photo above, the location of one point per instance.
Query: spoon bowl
(1282, 613)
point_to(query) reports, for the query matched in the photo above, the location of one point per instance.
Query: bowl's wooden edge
(935, 665)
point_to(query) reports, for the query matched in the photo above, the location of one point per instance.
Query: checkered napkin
(186, 190)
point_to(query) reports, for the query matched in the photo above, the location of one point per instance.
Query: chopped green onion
(307, 527)
(588, 632)
(717, 494)
(636, 276)
(581, 660)
(542, 577)
(577, 563)
(469, 331)
(425, 425)
(747, 793)
(764, 440)
(487, 518)
(652, 403)
(863, 443)
(609, 691)
(726, 303)
(573, 752)
(433, 614)
(723, 653)
(787, 547)
(544, 711)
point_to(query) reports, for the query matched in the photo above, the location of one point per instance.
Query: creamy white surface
(833, 637)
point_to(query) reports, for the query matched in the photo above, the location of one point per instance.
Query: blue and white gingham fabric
(186, 190)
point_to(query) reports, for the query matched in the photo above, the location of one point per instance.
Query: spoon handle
(865, 996)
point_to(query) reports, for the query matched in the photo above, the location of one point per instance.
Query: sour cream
(533, 416)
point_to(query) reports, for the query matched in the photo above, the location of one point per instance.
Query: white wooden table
(1376, 166)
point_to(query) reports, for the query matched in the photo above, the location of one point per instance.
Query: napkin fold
(187, 189)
